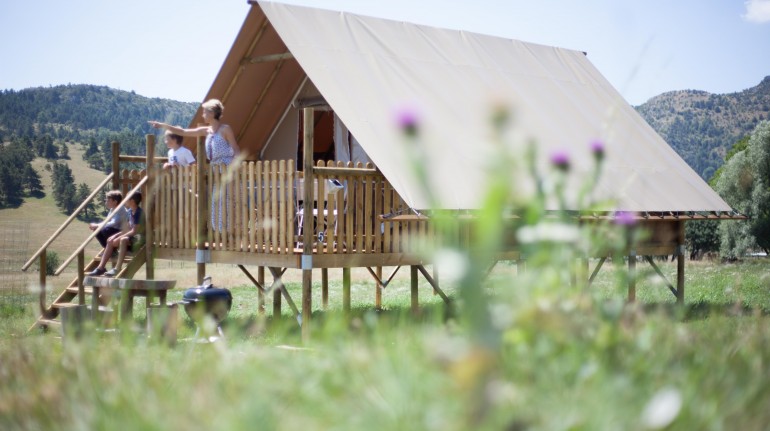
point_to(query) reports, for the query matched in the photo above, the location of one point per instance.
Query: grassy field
(513, 352)
(585, 362)
(40, 218)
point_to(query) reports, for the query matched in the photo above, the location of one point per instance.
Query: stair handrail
(120, 206)
(67, 222)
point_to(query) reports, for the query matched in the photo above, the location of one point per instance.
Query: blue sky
(174, 48)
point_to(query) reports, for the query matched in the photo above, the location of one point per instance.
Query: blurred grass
(563, 365)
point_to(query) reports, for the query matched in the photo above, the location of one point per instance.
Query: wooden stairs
(49, 318)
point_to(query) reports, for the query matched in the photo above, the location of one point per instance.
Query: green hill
(80, 113)
(74, 125)
(702, 127)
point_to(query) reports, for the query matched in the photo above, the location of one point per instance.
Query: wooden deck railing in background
(261, 202)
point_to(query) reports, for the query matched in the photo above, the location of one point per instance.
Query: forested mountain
(38, 122)
(82, 113)
(702, 127)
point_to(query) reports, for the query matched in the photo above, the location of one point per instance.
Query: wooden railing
(261, 205)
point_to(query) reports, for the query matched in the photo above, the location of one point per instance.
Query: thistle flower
(407, 120)
(560, 160)
(597, 149)
(624, 218)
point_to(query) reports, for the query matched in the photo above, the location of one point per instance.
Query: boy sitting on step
(117, 221)
(132, 238)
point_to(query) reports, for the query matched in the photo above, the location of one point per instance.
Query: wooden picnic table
(129, 289)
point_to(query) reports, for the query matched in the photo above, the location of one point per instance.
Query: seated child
(117, 220)
(177, 154)
(132, 238)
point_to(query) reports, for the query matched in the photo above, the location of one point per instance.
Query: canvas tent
(368, 70)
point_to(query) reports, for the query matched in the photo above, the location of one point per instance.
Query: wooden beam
(680, 264)
(115, 165)
(307, 221)
(596, 270)
(202, 210)
(660, 273)
(317, 102)
(346, 291)
(251, 277)
(266, 58)
(341, 172)
(140, 159)
(433, 283)
(241, 68)
(280, 287)
(632, 277)
(262, 95)
(325, 288)
(413, 283)
(149, 226)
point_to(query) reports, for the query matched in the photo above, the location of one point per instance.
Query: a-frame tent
(361, 73)
(369, 69)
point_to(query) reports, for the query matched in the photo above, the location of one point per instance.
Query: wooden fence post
(149, 264)
(203, 211)
(307, 228)
(115, 165)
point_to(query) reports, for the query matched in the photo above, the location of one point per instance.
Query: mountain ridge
(701, 126)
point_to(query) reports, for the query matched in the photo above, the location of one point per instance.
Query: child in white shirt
(177, 154)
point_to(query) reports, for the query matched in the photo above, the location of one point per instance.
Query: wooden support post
(307, 227)
(325, 288)
(162, 323)
(41, 279)
(81, 287)
(276, 302)
(346, 291)
(202, 212)
(149, 264)
(72, 320)
(436, 289)
(414, 282)
(680, 263)
(435, 277)
(261, 294)
(632, 276)
(378, 289)
(115, 165)
(521, 265)
(596, 270)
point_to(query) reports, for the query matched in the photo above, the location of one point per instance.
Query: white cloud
(757, 11)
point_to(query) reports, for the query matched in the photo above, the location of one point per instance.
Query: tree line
(743, 181)
(18, 179)
(91, 115)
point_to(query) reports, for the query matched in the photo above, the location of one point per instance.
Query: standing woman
(221, 150)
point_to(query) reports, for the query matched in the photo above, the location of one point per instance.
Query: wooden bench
(129, 289)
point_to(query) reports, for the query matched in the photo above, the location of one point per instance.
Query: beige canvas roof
(371, 70)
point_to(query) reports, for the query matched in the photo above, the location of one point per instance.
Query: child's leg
(124, 242)
(107, 254)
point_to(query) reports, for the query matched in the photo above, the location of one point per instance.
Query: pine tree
(32, 181)
(80, 196)
(69, 202)
(10, 187)
(64, 151)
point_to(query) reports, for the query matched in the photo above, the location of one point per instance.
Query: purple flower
(560, 160)
(407, 120)
(597, 148)
(624, 218)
